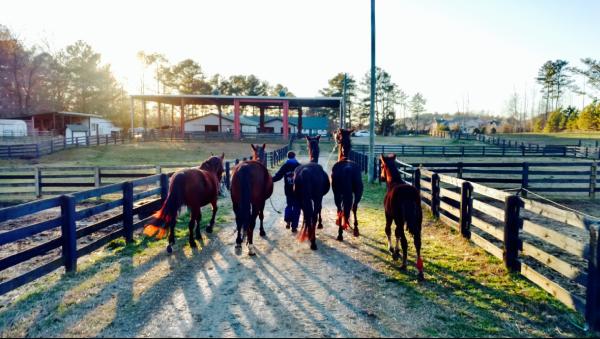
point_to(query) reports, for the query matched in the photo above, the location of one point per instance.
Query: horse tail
(157, 227)
(306, 194)
(245, 197)
(412, 211)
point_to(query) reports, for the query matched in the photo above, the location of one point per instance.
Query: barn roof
(258, 101)
(75, 114)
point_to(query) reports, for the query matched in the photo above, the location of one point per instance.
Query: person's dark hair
(291, 155)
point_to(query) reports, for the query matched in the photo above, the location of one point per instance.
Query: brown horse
(402, 204)
(194, 187)
(311, 183)
(251, 186)
(346, 183)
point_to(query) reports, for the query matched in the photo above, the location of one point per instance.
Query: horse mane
(211, 164)
(394, 173)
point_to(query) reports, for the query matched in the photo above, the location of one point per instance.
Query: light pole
(372, 108)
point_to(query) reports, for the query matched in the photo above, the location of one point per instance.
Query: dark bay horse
(311, 183)
(251, 186)
(194, 187)
(402, 204)
(346, 183)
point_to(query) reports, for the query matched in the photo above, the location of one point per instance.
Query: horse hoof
(169, 249)
(193, 244)
(313, 247)
(238, 246)
(251, 251)
(396, 256)
(403, 268)
(263, 234)
(356, 233)
(340, 237)
(287, 225)
(294, 230)
(421, 276)
(320, 226)
(209, 229)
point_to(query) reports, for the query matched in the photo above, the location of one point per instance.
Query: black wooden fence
(137, 199)
(66, 216)
(517, 230)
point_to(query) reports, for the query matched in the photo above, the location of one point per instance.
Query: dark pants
(292, 211)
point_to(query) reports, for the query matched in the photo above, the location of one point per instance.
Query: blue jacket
(287, 171)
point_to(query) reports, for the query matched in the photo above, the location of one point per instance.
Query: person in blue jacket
(292, 209)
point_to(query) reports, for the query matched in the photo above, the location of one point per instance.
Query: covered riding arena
(286, 104)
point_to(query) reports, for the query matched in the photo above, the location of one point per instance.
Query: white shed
(102, 126)
(13, 128)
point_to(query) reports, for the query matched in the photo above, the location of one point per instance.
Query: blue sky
(452, 51)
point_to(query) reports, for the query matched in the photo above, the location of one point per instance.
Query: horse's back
(201, 187)
(312, 174)
(346, 173)
(259, 178)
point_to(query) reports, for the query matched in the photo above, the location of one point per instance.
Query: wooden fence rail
(520, 225)
(542, 177)
(138, 198)
(24, 183)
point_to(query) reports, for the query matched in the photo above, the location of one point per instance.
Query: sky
(460, 54)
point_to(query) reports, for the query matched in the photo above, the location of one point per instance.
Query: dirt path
(286, 290)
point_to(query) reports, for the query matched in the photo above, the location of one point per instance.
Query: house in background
(57, 123)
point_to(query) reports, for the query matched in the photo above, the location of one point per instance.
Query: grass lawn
(467, 290)
(418, 140)
(563, 138)
(143, 153)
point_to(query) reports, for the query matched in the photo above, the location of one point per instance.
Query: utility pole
(344, 103)
(372, 110)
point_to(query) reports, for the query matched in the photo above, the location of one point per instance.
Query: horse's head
(342, 138)
(389, 172)
(259, 153)
(214, 165)
(313, 147)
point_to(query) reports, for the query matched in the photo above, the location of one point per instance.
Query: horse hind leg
(261, 216)
(388, 232)
(251, 226)
(171, 227)
(320, 225)
(209, 228)
(240, 227)
(198, 221)
(417, 241)
(191, 227)
(402, 237)
(354, 208)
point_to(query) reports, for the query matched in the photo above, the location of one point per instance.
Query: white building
(210, 123)
(12, 128)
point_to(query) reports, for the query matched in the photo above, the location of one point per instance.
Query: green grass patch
(467, 291)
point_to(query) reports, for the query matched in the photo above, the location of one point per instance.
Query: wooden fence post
(466, 209)
(592, 304)
(512, 242)
(37, 174)
(459, 170)
(417, 179)
(128, 211)
(158, 169)
(97, 177)
(164, 186)
(525, 179)
(435, 195)
(593, 179)
(68, 233)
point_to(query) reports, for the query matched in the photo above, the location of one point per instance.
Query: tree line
(391, 102)
(556, 77)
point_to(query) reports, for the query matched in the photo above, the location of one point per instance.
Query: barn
(210, 123)
(56, 123)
